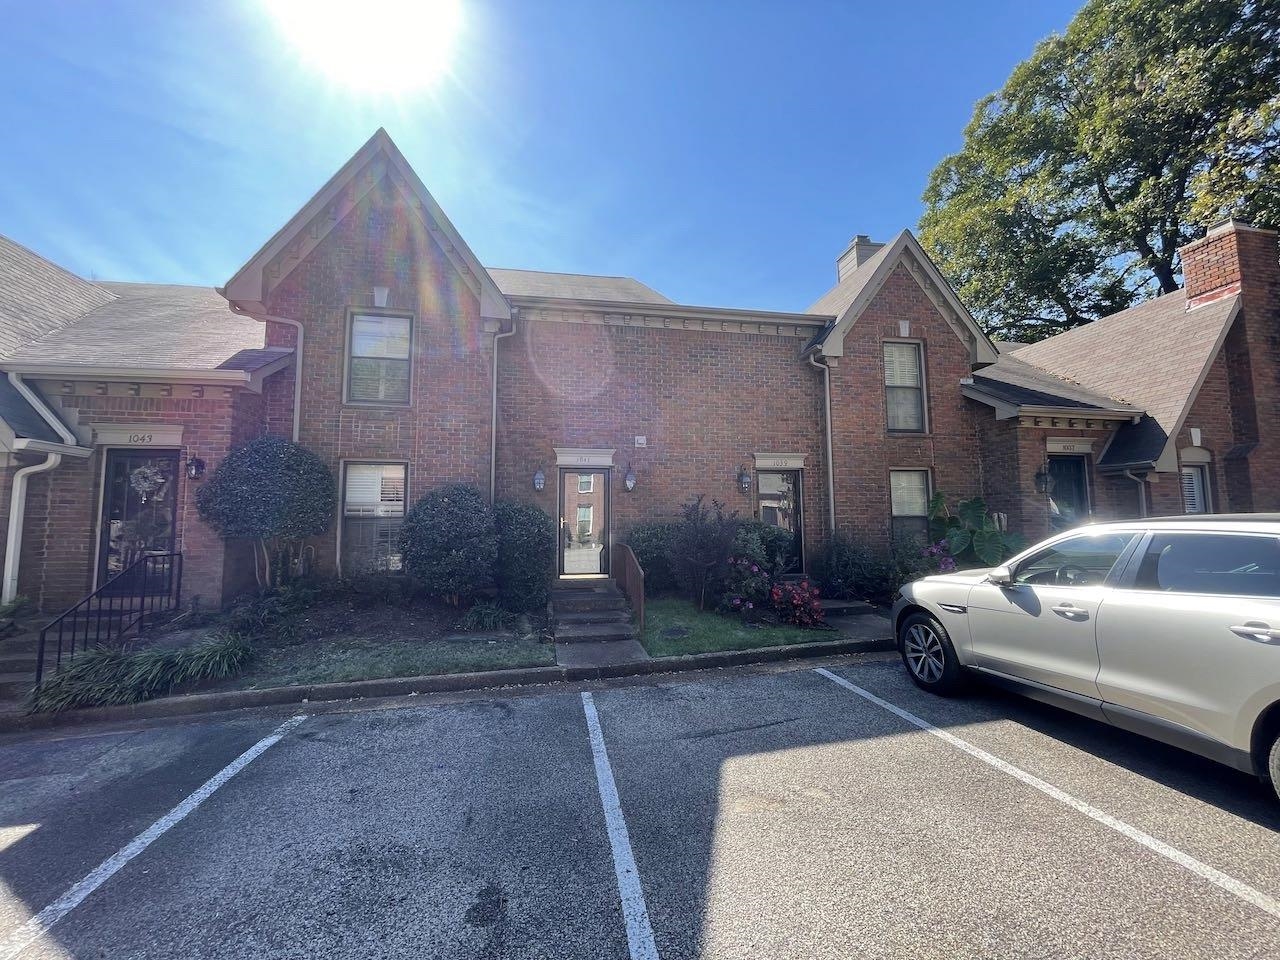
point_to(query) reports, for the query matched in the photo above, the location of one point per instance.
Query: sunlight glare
(375, 46)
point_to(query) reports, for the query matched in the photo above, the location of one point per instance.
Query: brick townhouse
(368, 330)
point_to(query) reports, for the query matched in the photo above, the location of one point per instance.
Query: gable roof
(37, 296)
(149, 326)
(378, 159)
(848, 298)
(1010, 385)
(573, 286)
(21, 417)
(1153, 356)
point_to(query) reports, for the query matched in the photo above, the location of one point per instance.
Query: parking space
(767, 813)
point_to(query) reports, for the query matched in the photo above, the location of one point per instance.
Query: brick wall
(864, 450)
(444, 435)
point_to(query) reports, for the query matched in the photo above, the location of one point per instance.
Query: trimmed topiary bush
(274, 492)
(651, 543)
(770, 547)
(449, 542)
(526, 552)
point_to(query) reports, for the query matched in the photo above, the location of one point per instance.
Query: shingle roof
(37, 296)
(1013, 381)
(1151, 356)
(838, 299)
(573, 286)
(151, 325)
(21, 416)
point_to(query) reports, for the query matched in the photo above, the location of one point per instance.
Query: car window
(1075, 562)
(1214, 563)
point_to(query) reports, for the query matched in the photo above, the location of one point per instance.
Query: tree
(449, 542)
(272, 491)
(1115, 143)
(526, 553)
(700, 547)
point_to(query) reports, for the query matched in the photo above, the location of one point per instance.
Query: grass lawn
(674, 627)
(343, 659)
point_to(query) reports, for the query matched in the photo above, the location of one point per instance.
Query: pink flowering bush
(798, 603)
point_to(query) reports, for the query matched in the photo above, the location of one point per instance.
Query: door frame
(107, 453)
(802, 551)
(607, 547)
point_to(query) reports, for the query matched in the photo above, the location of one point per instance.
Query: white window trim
(924, 389)
(352, 314)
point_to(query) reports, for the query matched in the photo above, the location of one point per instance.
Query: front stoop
(590, 611)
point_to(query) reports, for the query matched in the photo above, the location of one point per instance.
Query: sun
(374, 46)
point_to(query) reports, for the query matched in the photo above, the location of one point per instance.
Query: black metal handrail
(150, 585)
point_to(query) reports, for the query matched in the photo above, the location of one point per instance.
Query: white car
(1165, 627)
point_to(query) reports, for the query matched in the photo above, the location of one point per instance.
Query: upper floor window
(1195, 489)
(904, 387)
(378, 358)
(586, 482)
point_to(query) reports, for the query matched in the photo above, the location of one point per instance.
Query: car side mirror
(1001, 576)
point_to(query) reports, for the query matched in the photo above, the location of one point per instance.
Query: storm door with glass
(584, 522)
(780, 505)
(139, 497)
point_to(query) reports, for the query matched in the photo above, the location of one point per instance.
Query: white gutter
(1142, 491)
(17, 513)
(826, 421)
(297, 359)
(493, 406)
(88, 371)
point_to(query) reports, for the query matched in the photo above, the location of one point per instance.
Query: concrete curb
(196, 703)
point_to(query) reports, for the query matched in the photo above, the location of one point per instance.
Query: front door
(780, 504)
(139, 494)
(584, 522)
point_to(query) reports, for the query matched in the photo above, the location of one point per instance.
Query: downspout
(831, 469)
(1142, 491)
(297, 360)
(493, 408)
(17, 513)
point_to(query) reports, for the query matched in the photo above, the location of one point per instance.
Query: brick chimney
(1230, 256)
(860, 249)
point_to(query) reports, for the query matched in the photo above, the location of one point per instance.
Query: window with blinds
(1195, 495)
(373, 502)
(904, 387)
(378, 363)
(909, 504)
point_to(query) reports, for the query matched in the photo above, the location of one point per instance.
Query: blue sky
(722, 152)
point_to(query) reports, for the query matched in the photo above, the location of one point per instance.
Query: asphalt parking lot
(768, 812)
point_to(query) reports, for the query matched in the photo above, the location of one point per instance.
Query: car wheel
(929, 656)
(1273, 767)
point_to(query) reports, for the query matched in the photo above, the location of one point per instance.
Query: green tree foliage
(1115, 143)
(700, 548)
(450, 543)
(271, 491)
(526, 552)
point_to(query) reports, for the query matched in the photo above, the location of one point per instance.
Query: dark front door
(584, 522)
(139, 493)
(1069, 498)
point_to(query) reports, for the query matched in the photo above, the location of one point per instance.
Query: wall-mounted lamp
(539, 480)
(1044, 482)
(744, 479)
(629, 481)
(195, 468)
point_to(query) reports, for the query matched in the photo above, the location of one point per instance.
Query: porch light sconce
(744, 479)
(195, 468)
(1044, 482)
(539, 480)
(629, 481)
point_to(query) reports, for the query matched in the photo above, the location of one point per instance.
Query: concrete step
(583, 632)
(581, 603)
(586, 583)
(618, 615)
(17, 689)
(17, 662)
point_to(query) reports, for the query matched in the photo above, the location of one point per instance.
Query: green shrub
(106, 676)
(449, 542)
(768, 546)
(486, 616)
(526, 553)
(849, 570)
(973, 539)
(700, 548)
(651, 543)
(274, 492)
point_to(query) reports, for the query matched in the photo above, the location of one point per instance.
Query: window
(904, 387)
(1082, 561)
(909, 504)
(373, 496)
(1213, 563)
(586, 482)
(378, 359)
(1195, 489)
(586, 516)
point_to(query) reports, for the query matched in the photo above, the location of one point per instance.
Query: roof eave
(88, 371)
(673, 310)
(1008, 409)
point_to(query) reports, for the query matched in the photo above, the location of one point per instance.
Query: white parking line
(38, 925)
(1230, 884)
(639, 932)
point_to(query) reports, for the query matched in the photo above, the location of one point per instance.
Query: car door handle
(1256, 630)
(1071, 611)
